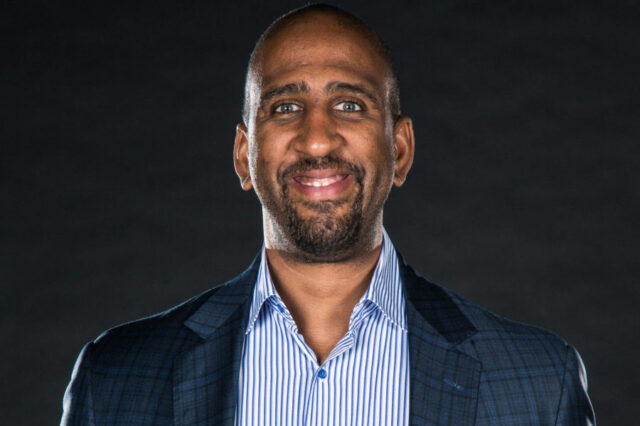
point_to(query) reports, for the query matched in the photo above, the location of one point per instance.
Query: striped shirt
(363, 381)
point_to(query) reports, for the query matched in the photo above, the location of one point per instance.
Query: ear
(241, 157)
(404, 144)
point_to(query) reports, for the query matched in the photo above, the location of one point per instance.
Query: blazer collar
(225, 301)
(205, 377)
(432, 303)
(435, 306)
(444, 380)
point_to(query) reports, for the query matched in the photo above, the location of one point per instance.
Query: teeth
(317, 183)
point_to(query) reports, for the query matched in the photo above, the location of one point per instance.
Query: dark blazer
(468, 366)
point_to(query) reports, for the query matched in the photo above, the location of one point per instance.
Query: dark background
(119, 198)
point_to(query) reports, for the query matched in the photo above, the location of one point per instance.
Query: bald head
(307, 16)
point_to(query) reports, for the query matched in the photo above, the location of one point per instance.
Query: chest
(281, 381)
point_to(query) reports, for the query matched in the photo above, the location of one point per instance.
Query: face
(320, 148)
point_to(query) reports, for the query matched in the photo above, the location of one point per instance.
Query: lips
(319, 182)
(322, 184)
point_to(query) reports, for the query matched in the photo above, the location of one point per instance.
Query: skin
(319, 89)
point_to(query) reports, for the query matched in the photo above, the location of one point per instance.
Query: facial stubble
(324, 235)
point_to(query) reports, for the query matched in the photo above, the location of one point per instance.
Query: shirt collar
(264, 290)
(384, 291)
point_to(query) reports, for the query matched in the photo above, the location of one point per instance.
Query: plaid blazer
(468, 366)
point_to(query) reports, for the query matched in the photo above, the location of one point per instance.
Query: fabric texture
(365, 378)
(467, 365)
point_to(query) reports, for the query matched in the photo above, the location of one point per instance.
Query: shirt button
(322, 373)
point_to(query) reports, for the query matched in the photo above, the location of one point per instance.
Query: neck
(324, 283)
(321, 296)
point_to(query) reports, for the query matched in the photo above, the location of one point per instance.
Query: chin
(325, 238)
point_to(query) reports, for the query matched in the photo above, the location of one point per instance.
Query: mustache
(322, 163)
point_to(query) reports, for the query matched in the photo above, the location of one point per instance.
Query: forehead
(320, 43)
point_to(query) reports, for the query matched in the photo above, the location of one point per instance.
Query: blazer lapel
(444, 380)
(205, 378)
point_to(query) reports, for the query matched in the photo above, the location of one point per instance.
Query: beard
(325, 236)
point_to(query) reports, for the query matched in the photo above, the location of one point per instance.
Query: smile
(322, 184)
(319, 182)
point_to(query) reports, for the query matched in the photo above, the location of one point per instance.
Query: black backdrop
(119, 197)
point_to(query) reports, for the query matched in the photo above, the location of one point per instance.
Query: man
(328, 325)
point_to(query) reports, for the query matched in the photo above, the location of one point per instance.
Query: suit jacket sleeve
(574, 407)
(78, 403)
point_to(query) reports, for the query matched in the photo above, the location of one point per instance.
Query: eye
(348, 106)
(287, 108)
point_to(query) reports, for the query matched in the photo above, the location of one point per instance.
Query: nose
(319, 135)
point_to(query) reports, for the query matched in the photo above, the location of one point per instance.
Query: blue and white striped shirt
(363, 381)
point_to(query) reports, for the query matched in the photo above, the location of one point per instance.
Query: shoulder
(135, 355)
(172, 331)
(150, 342)
(525, 370)
(164, 333)
(497, 342)
(500, 341)
(130, 366)
(466, 323)
(528, 363)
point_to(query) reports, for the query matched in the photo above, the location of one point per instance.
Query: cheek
(264, 160)
(263, 176)
(380, 167)
(271, 147)
(374, 151)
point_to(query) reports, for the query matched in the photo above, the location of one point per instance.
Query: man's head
(322, 140)
(343, 19)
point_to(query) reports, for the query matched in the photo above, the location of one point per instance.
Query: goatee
(326, 237)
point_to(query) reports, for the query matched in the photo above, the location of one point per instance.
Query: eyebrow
(287, 89)
(335, 86)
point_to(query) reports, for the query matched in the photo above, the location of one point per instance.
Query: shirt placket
(319, 374)
(316, 409)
